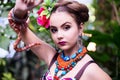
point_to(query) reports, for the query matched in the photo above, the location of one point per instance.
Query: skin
(62, 28)
(66, 29)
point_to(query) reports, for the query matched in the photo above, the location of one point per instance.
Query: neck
(71, 51)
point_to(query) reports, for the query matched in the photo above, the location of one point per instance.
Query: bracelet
(17, 19)
(17, 26)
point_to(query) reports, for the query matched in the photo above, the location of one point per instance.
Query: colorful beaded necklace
(67, 63)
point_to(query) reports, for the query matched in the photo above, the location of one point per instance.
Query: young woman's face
(64, 30)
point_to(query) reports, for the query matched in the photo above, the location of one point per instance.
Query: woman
(66, 27)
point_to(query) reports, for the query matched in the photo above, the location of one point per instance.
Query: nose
(59, 35)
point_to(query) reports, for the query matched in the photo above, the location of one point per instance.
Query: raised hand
(16, 22)
(23, 6)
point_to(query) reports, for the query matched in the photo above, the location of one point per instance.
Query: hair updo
(77, 10)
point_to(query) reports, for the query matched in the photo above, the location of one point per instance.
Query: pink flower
(40, 10)
(43, 21)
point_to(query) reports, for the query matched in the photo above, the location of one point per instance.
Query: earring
(79, 42)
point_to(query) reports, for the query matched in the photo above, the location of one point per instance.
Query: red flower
(43, 21)
(40, 10)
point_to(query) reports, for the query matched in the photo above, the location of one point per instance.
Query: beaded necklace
(66, 63)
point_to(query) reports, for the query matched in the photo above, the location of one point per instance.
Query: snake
(19, 28)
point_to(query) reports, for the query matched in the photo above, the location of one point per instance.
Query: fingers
(34, 4)
(37, 2)
(29, 2)
(27, 5)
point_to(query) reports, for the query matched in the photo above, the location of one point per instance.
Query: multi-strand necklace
(67, 63)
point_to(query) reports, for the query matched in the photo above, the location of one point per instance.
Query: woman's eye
(53, 30)
(67, 27)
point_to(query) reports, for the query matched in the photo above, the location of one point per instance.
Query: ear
(81, 29)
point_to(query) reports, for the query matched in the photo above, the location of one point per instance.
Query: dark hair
(78, 11)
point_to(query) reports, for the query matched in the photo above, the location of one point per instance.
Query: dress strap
(79, 74)
(53, 60)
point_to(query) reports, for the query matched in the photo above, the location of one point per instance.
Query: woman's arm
(43, 51)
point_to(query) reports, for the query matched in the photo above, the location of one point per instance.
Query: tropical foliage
(106, 35)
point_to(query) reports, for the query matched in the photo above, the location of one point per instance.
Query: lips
(62, 43)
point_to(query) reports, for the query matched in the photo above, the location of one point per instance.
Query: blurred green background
(102, 29)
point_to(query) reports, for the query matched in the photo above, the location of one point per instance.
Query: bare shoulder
(94, 72)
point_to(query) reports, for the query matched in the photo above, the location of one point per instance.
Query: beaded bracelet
(17, 19)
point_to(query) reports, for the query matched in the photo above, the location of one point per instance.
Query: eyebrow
(61, 25)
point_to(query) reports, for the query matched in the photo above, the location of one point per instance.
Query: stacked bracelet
(17, 19)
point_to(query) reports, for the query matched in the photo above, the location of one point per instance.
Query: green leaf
(47, 2)
(7, 76)
(52, 5)
(48, 16)
(45, 12)
(4, 42)
(41, 29)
